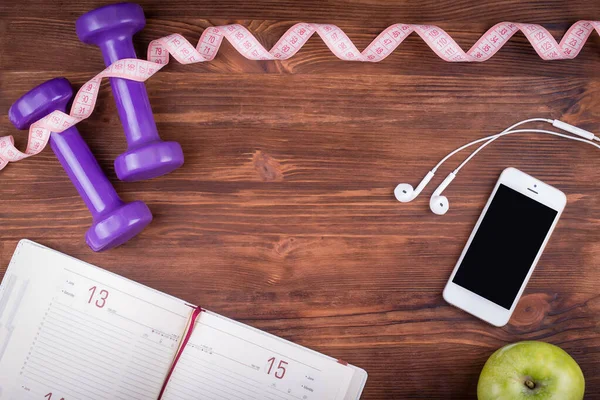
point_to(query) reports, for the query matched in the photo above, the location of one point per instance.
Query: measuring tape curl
(336, 40)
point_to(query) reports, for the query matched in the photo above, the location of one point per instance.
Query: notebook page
(226, 360)
(72, 331)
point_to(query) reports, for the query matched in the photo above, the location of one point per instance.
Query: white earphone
(439, 204)
(405, 192)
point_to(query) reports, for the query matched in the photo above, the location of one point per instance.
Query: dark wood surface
(283, 215)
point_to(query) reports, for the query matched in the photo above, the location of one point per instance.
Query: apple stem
(530, 384)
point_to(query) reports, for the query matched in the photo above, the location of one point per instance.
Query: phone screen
(505, 246)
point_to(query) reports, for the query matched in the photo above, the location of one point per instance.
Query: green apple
(531, 371)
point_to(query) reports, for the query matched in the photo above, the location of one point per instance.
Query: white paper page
(72, 331)
(226, 360)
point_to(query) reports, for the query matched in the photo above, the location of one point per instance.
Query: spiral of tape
(289, 44)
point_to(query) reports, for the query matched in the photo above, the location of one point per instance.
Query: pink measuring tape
(289, 44)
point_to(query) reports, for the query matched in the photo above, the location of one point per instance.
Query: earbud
(405, 192)
(439, 204)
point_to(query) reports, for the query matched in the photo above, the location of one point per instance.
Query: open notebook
(72, 331)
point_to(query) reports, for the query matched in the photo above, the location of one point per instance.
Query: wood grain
(283, 215)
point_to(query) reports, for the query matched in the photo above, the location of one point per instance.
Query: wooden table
(283, 215)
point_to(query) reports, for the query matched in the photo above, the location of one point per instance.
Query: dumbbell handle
(132, 100)
(85, 173)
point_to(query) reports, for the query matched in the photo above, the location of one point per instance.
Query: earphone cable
(491, 139)
(488, 138)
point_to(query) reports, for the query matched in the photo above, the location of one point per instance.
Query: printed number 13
(101, 301)
(280, 372)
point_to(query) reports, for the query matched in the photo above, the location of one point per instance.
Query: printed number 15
(280, 372)
(101, 301)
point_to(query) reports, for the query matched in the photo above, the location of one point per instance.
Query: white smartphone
(504, 247)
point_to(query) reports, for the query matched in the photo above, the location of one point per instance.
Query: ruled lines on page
(102, 349)
(86, 334)
(225, 360)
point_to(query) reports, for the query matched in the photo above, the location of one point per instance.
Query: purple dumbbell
(111, 28)
(115, 222)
